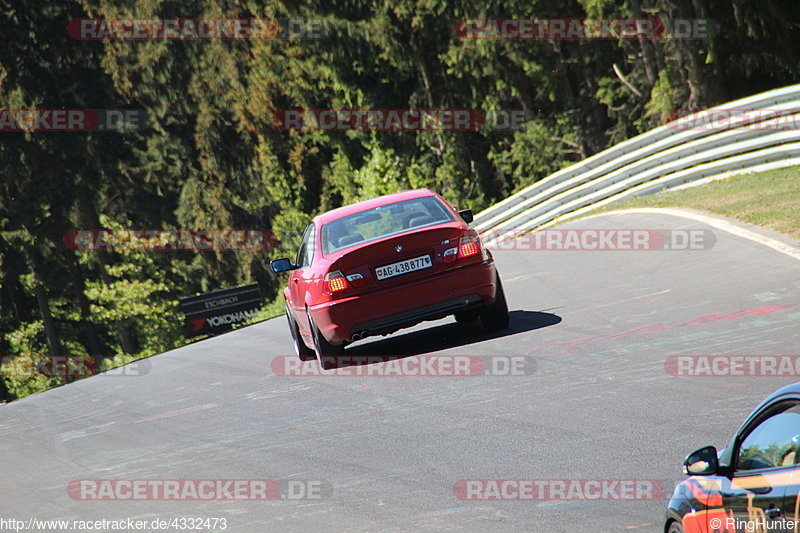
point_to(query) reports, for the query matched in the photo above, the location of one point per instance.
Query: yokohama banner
(215, 312)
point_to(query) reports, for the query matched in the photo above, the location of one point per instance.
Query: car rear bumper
(394, 322)
(383, 311)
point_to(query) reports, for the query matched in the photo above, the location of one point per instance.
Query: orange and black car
(753, 484)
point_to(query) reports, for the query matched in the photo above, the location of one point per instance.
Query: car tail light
(468, 247)
(335, 282)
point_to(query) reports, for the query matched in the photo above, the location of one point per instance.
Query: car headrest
(347, 240)
(420, 220)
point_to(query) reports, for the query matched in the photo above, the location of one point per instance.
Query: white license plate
(403, 267)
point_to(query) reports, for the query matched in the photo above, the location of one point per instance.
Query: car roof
(788, 390)
(351, 209)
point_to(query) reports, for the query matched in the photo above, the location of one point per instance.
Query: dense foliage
(211, 156)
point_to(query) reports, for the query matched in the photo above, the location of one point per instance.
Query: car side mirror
(466, 215)
(282, 265)
(702, 462)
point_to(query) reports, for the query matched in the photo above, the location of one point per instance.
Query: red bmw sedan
(384, 264)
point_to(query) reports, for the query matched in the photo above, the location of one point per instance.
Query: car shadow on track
(443, 337)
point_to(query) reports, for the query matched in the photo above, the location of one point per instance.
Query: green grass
(770, 199)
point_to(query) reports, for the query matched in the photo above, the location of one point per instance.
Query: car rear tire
(325, 351)
(303, 352)
(495, 316)
(467, 317)
(675, 527)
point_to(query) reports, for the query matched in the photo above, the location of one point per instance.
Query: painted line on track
(715, 222)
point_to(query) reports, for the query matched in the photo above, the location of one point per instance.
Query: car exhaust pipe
(359, 335)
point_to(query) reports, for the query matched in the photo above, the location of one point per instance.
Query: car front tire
(495, 316)
(325, 351)
(675, 527)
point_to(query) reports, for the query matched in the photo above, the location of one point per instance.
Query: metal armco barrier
(752, 135)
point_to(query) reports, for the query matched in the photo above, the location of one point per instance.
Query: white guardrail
(748, 135)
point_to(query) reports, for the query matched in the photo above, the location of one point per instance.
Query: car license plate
(403, 267)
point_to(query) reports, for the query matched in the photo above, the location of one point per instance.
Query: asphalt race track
(385, 453)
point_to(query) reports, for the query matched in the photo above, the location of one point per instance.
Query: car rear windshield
(383, 221)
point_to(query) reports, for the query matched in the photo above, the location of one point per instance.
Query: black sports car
(753, 484)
